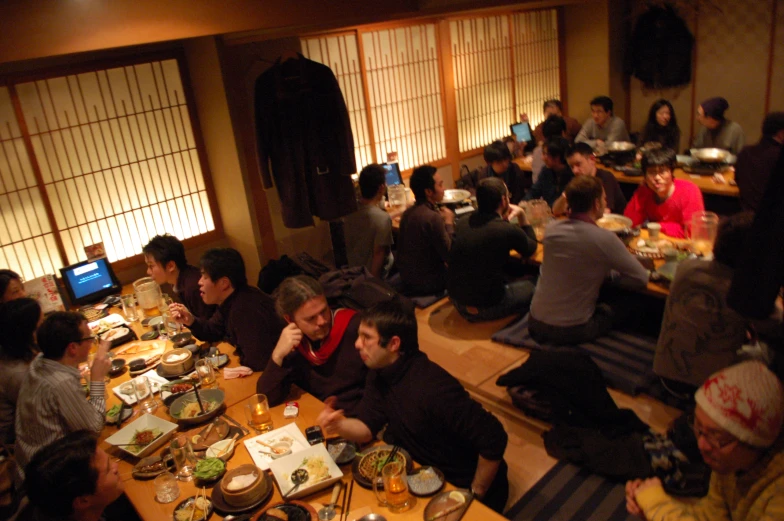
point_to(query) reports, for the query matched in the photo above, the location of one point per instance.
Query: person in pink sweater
(662, 198)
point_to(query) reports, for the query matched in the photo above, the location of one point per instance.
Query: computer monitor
(393, 174)
(90, 281)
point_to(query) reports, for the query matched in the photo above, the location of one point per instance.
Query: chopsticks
(202, 493)
(391, 456)
(347, 504)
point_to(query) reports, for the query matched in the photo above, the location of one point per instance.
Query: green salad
(209, 468)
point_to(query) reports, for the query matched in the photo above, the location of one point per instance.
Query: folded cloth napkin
(236, 372)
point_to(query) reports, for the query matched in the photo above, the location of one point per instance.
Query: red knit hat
(746, 400)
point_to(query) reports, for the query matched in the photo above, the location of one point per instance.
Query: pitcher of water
(148, 296)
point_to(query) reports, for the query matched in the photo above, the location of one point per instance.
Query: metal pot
(710, 155)
(621, 152)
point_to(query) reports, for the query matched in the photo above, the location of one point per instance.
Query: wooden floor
(466, 351)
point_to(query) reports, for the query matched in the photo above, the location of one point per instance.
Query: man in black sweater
(476, 280)
(315, 350)
(245, 317)
(426, 410)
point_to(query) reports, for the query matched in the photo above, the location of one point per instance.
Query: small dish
(425, 481)
(186, 504)
(118, 367)
(182, 339)
(137, 364)
(216, 450)
(152, 466)
(150, 335)
(280, 449)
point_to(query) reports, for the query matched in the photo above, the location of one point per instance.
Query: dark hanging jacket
(660, 49)
(304, 134)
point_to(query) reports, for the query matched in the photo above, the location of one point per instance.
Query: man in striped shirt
(52, 403)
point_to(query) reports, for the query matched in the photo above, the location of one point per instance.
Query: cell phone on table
(522, 131)
(314, 435)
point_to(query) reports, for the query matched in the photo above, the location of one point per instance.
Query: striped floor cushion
(568, 492)
(626, 360)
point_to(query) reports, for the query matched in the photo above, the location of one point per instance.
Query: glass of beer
(184, 458)
(704, 227)
(257, 413)
(206, 374)
(397, 499)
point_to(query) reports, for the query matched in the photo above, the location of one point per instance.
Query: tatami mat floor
(466, 351)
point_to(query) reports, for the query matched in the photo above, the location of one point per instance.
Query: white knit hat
(746, 400)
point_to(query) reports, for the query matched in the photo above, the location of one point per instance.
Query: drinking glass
(166, 489)
(143, 390)
(257, 413)
(206, 374)
(129, 308)
(184, 458)
(704, 226)
(397, 497)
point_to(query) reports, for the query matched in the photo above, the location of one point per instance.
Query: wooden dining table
(706, 184)
(141, 493)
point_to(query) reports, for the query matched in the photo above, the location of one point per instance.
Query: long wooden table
(142, 493)
(706, 183)
(653, 288)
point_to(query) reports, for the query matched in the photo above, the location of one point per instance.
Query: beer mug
(397, 498)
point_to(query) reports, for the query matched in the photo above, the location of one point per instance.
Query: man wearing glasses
(737, 423)
(51, 401)
(662, 198)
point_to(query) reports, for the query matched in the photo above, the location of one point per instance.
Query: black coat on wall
(659, 53)
(304, 134)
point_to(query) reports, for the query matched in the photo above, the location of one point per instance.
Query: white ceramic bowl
(147, 421)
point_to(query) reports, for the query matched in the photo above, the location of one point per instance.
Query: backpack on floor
(357, 289)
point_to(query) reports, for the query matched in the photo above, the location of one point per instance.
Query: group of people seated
(367, 367)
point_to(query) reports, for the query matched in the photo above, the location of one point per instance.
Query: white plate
(155, 381)
(259, 452)
(146, 421)
(106, 323)
(114, 334)
(282, 468)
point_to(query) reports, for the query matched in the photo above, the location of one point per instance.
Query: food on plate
(152, 467)
(649, 246)
(209, 468)
(134, 349)
(105, 324)
(193, 510)
(192, 409)
(425, 481)
(177, 357)
(180, 388)
(143, 438)
(127, 389)
(336, 449)
(317, 468)
(611, 224)
(277, 514)
(113, 414)
(457, 496)
(370, 463)
(241, 481)
(114, 334)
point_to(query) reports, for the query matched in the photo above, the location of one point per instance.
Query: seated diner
(737, 423)
(477, 283)
(425, 409)
(166, 264)
(245, 316)
(579, 258)
(662, 126)
(315, 350)
(11, 286)
(663, 199)
(604, 127)
(19, 319)
(717, 131)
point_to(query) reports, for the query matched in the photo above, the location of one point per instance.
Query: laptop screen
(90, 281)
(393, 174)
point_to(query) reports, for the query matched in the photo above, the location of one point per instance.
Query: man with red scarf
(315, 350)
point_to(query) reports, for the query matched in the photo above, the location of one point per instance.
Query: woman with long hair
(19, 319)
(662, 127)
(11, 286)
